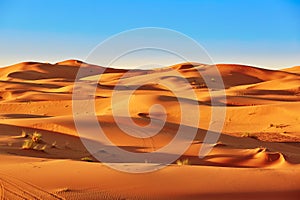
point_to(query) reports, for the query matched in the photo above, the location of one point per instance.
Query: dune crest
(71, 62)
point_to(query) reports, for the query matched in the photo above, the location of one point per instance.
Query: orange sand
(256, 157)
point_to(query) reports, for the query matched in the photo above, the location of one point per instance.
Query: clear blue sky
(259, 32)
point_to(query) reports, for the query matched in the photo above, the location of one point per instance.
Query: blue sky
(264, 33)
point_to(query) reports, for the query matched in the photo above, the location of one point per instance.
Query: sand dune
(295, 70)
(257, 155)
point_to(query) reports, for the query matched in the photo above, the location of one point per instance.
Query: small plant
(64, 190)
(43, 148)
(36, 137)
(250, 135)
(278, 125)
(87, 159)
(28, 144)
(32, 143)
(54, 145)
(219, 144)
(202, 85)
(183, 162)
(36, 147)
(24, 134)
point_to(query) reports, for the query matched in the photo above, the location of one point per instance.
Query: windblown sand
(256, 157)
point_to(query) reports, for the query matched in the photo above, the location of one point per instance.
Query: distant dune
(256, 157)
(295, 69)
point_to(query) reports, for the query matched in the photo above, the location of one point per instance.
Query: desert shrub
(24, 134)
(54, 145)
(278, 125)
(43, 148)
(183, 162)
(28, 144)
(33, 142)
(87, 159)
(250, 135)
(36, 137)
(202, 85)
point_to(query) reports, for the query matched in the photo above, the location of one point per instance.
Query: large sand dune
(256, 157)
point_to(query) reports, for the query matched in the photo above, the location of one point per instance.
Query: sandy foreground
(256, 157)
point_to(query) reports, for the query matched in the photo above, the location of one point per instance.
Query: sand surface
(256, 157)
